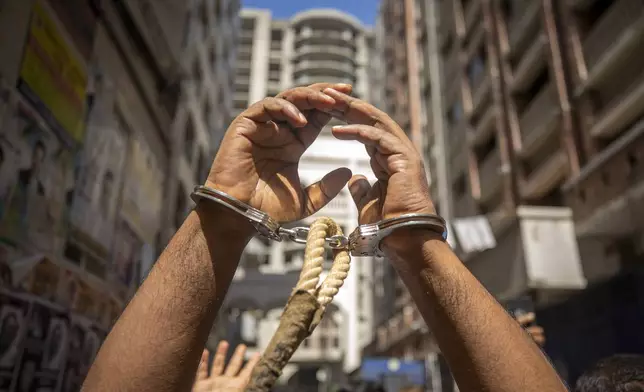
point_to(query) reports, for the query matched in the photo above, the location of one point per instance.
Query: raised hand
(536, 332)
(402, 184)
(233, 379)
(258, 159)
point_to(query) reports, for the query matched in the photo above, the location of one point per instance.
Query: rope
(314, 260)
(305, 307)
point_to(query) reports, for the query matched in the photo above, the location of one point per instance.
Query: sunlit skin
(157, 343)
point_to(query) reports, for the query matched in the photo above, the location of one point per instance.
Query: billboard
(53, 76)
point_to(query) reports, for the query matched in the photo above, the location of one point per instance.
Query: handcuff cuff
(363, 241)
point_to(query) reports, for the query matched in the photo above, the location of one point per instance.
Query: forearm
(167, 322)
(486, 349)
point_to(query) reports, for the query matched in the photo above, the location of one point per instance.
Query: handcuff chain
(363, 241)
(300, 234)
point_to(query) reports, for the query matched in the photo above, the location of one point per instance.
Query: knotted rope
(306, 305)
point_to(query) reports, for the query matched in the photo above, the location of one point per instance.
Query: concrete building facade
(538, 133)
(312, 46)
(206, 106)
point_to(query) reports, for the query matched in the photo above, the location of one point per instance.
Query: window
(476, 66)
(455, 113)
(460, 186)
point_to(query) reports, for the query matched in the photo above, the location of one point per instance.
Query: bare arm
(485, 348)
(157, 342)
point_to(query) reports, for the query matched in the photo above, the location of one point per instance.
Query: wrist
(221, 223)
(408, 244)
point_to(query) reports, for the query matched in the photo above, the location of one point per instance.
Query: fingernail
(338, 127)
(302, 117)
(343, 85)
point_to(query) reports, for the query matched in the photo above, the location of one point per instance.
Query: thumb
(359, 187)
(322, 192)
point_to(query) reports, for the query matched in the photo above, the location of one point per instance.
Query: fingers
(220, 359)
(306, 98)
(355, 111)
(202, 370)
(370, 136)
(250, 365)
(236, 361)
(538, 335)
(277, 110)
(526, 318)
(319, 194)
(359, 187)
(341, 87)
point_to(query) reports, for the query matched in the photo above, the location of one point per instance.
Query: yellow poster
(52, 76)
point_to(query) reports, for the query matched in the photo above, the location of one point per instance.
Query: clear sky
(365, 10)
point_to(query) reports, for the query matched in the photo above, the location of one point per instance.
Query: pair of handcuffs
(363, 241)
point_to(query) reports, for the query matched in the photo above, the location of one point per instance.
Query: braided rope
(314, 259)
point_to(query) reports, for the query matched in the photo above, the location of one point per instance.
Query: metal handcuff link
(363, 241)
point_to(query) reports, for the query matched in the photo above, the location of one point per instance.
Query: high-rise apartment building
(312, 46)
(539, 133)
(206, 106)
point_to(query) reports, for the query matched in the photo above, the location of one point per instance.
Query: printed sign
(53, 77)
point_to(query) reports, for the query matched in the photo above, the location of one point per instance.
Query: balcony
(539, 119)
(607, 197)
(326, 36)
(552, 172)
(621, 111)
(328, 51)
(481, 93)
(490, 175)
(521, 29)
(459, 162)
(531, 64)
(310, 79)
(457, 136)
(485, 127)
(620, 27)
(273, 87)
(324, 67)
(472, 14)
(464, 206)
(246, 36)
(451, 65)
(447, 23)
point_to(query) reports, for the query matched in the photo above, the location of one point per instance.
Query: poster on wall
(143, 190)
(45, 348)
(100, 167)
(13, 328)
(83, 344)
(58, 92)
(128, 251)
(35, 182)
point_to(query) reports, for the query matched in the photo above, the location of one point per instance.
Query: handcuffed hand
(402, 186)
(258, 159)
